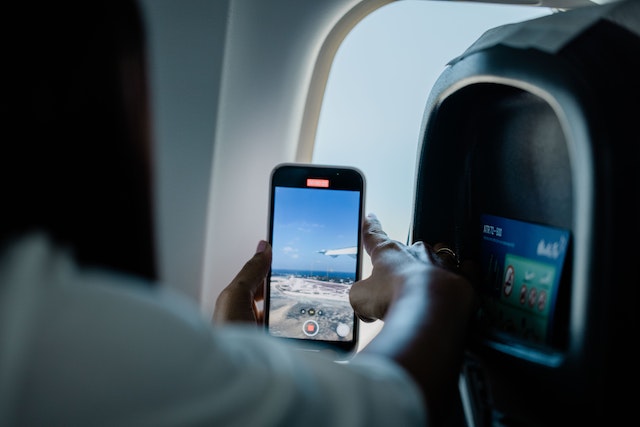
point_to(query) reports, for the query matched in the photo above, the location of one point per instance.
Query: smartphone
(315, 219)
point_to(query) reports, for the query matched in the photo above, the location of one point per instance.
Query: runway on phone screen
(295, 300)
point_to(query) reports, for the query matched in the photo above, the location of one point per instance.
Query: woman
(86, 339)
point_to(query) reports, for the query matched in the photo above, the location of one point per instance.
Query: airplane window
(378, 87)
(377, 90)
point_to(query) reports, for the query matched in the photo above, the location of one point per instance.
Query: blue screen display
(522, 264)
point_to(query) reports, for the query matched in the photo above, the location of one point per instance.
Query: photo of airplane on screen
(317, 283)
(351, 251)
(316, 230)
(315, 259)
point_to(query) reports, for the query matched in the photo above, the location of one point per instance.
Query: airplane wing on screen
(351, 251)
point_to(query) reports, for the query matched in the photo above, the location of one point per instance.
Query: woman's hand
(241, 300)
(426, 304)
(394, 266)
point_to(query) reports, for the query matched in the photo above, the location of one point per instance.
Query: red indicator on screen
(316, 182)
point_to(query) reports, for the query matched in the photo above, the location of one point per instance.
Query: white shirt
(85, 347)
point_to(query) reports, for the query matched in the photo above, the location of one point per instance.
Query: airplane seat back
(527, 166)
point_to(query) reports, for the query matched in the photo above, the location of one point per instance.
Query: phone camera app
(310, 328)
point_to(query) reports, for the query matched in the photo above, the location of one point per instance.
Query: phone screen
(315, 222)
(522, 264)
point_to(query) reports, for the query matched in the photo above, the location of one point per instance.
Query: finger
(373, 237)
(237, 302)
(251, 276)
(258, 304)
(259, 292)
(444, 256)
(419, 251)
(373, 234)
(367, 306)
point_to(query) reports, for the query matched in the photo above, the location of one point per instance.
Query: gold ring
(447, 251)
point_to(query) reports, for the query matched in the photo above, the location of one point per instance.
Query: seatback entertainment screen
(522, 264)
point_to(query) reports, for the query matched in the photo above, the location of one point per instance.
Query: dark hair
(76, 164)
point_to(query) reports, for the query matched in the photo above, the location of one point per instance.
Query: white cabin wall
(236, 87)
(186, 43)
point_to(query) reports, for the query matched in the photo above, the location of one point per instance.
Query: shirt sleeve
(109, 351)
(295, 387)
